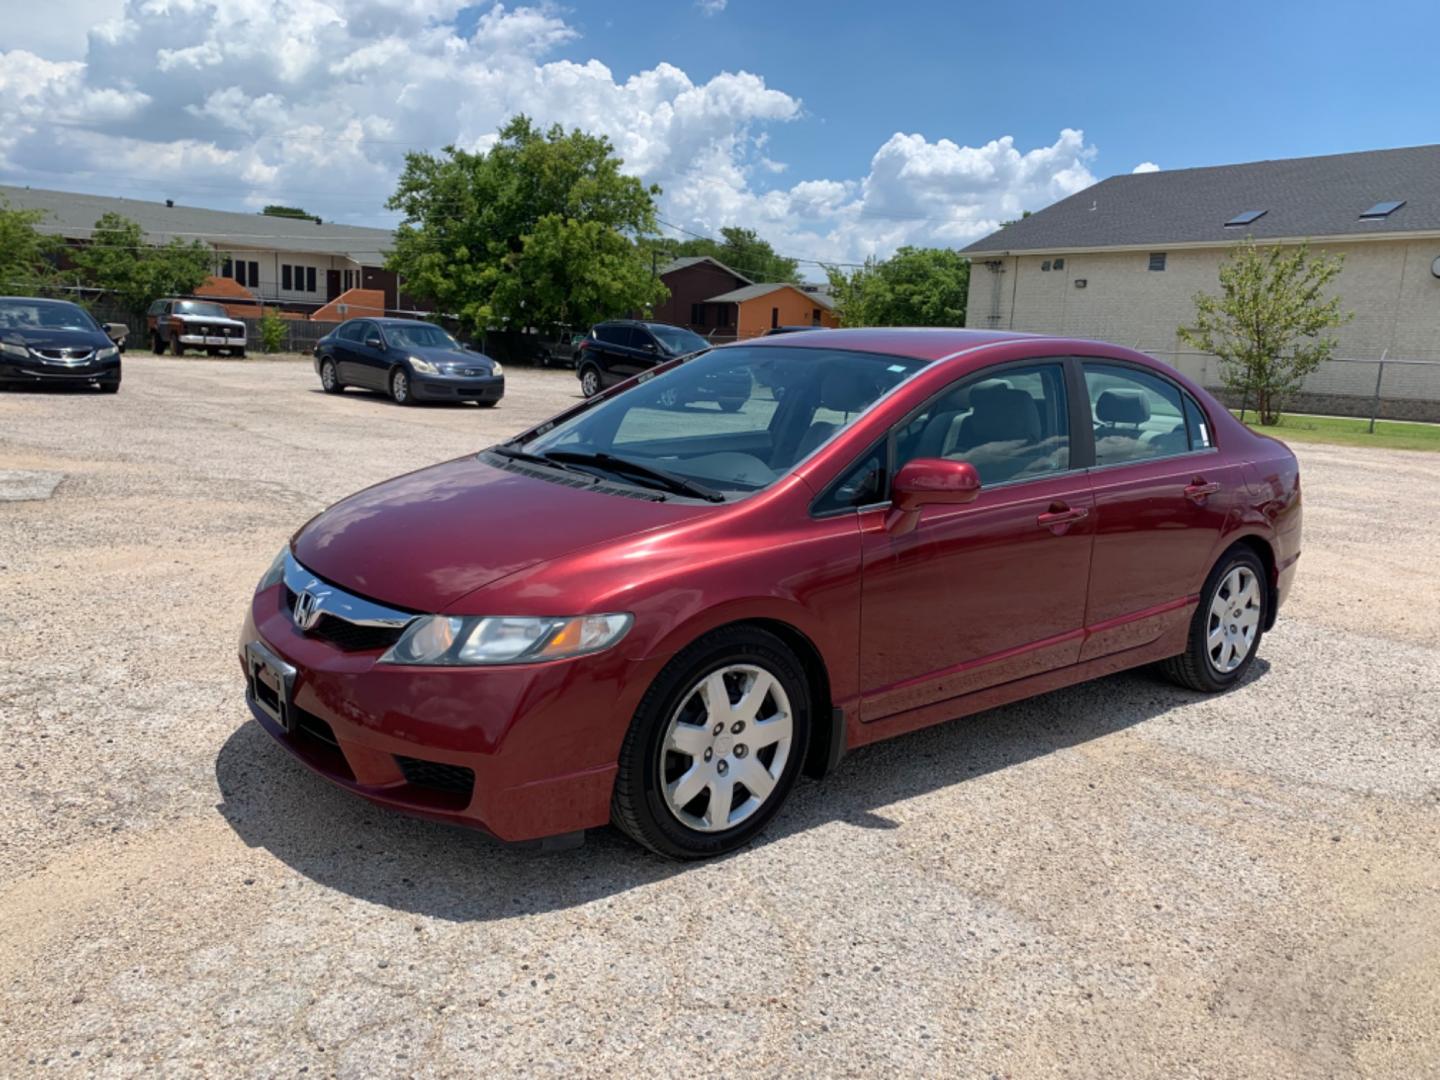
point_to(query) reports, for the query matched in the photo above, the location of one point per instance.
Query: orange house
(754, 309)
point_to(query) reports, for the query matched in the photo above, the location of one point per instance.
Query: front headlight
(20, 352)
(504, 639)
(107, 353)
(497, 368)
(423, 365)
(276, 571)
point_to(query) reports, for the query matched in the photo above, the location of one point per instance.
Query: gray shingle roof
(74, 215)
(750, 292)
(1301, 197)
(692, 260)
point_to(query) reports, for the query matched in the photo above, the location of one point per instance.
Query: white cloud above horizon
(205, 101)
(1144, 167)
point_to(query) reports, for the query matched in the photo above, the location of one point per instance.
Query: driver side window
(1012, 424)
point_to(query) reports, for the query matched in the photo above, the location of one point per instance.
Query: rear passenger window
(1013, 425)
(1136, 415)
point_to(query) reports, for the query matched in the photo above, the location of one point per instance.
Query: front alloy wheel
(715, 745)
(329, 380)
(400, 388)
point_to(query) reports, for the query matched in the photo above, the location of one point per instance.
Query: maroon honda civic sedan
(657, 612)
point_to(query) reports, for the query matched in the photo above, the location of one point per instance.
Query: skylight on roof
(1382, 210)
(1245, 218)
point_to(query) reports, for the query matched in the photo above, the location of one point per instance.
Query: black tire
(542, 358)
(332, 385)
(212, 352)
(176, 348)
(488, 404)
(239, 354)
(638, 805)
(590, 383)
(1195, 669)
(110, 387)
(400, 391)
(156, 345)
(732, 404)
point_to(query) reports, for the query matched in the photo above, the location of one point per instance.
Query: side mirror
(649, 347)
(375, 343)
(929, 482)
(116, 332)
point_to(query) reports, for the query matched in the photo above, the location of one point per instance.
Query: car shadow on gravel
(447, 872)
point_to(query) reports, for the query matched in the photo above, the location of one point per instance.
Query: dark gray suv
(621, 348)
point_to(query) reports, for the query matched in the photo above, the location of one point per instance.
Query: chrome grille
(349, 622)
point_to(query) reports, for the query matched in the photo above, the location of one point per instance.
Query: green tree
(118, 260)
(274, 210)
(27, 256)
(1268, 324)
(274, 332)
(744, 252)
(541, 230)
(914, 287)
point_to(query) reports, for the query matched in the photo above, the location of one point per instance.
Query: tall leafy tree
(914, 287)
(118, 260)
(540, 230)
(1268, 325)
(744, 252)
(27, 256)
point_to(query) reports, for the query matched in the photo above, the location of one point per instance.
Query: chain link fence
(1383, 388)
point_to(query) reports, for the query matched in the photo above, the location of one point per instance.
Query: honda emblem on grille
(309, 606)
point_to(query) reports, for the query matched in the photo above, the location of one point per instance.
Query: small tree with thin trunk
(1268, 324)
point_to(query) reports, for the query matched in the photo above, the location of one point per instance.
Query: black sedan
(56, 343)
(409, 360)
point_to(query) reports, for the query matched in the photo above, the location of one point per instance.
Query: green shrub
(274, 334)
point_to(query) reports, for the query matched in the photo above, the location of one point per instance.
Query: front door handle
(1060, 517)
(1200, 489)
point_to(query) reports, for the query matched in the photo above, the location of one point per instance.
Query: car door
(370, 363)
(626, 357)
(993, 590)
(1163, 495)
(342, 351)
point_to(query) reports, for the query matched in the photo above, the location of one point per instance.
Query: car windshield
(200, 307)
(419, 336)
(734, 420)
(44, 315)
(678, 341)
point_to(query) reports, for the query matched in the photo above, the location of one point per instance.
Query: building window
(1157, 260)
(1058, 264)
(815, 317)
(227, 267)
(286, 281)
(309, 279)
(1045, 267)
(697, 314)
(722, 315)
(774, 317)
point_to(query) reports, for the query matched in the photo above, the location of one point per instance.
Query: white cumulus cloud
(239, 103)
(1146, 166)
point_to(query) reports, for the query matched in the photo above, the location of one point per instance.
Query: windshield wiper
(507, 451)
(669, 480)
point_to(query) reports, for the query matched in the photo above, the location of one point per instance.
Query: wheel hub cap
(1234, 620)
(714, 777)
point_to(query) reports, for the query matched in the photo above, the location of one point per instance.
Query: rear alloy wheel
(400, 387)
(714, 747)
(590, 382)
(329, 379)
(1227, 626)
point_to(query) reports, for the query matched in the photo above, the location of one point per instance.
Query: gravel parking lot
(1117, 879)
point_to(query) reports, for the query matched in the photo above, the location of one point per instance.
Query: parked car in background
(409, 360)
(194, 324)
(558, 351)
(659, 619)
(616, 350)
(55, 342)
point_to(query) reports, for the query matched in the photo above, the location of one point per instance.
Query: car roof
(921, 343)
(36, 300)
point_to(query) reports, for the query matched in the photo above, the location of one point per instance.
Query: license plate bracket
(272, 683)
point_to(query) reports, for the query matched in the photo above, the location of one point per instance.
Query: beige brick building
(1122, 260)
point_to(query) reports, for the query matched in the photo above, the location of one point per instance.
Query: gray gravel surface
(1118, 879)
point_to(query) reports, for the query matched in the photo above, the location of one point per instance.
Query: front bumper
(35, 371)
(457, 387)
(520, 751)
(212, 341)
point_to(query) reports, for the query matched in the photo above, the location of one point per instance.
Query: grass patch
(1348, 431)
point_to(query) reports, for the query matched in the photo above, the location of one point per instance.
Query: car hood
(41, 337)
(451, 357)
(425, 540)
(209, 320)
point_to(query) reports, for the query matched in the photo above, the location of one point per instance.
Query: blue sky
(839, 131)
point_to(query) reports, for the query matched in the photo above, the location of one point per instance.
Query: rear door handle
(1060, 517)
(1201, 488)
